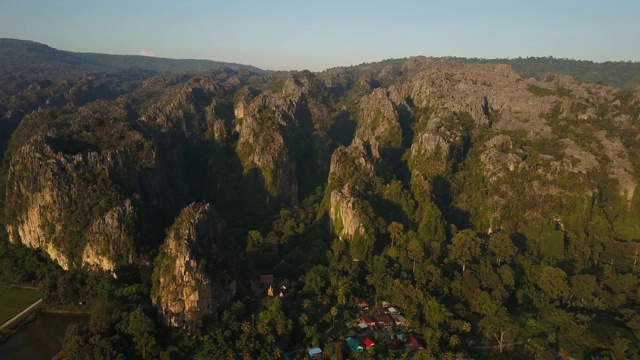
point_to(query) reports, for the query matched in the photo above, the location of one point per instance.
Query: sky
(320, 34)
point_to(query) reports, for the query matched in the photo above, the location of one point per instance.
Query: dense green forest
(494, 210)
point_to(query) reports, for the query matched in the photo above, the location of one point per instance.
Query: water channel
(41, 338)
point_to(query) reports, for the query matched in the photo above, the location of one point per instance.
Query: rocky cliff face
(274, 130)
(75, 186)
(350, 167)
(379, 123)
(439, 145)
(188, 109)
(111, 237)
(469, 129)
(183, 289)
(345, 214)
(422, 142)
(547, 129)
(93, 184)
(68, 205)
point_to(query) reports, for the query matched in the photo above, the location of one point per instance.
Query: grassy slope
(12, 301)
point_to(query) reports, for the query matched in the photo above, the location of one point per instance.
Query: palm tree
(334, 312)
(303, 319)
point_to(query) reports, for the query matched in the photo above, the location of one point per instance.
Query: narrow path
(23, 313)
(496, 347)
(24, 287)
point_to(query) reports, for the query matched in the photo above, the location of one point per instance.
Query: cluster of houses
(375, 324)
(358, 346)
(388, 317)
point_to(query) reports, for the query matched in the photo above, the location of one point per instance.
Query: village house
(266, 280)
(363, 304)
(384, 320)
(361, 325)
(368, 342)
(393, 311)
(354, 344)
(369, 321)
(414, 344)
(399, 320)
(315, 353)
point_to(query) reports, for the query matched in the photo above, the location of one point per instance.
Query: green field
(12, 301)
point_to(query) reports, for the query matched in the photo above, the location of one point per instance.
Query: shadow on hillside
(442, 196)
(343, 128)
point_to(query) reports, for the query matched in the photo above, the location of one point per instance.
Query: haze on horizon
(294, 35)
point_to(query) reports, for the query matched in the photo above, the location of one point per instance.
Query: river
(41, 338)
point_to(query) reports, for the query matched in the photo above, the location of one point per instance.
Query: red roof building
(368, 320)
(384, 320)
(414, 344)
(368, 343)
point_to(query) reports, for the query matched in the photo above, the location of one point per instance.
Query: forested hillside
(235, 214)
(623, 74)
(38, 61)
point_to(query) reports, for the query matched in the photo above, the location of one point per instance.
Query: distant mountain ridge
(29, 57)
(23, 56)
(621, 74)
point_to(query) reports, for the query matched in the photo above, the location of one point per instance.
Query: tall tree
(464, 248)
(502, 247)
(582, 287)
(416, 251)
(396, 232)
(141, 327)
(553, 282)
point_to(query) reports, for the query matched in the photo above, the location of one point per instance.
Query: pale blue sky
(284, 35)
